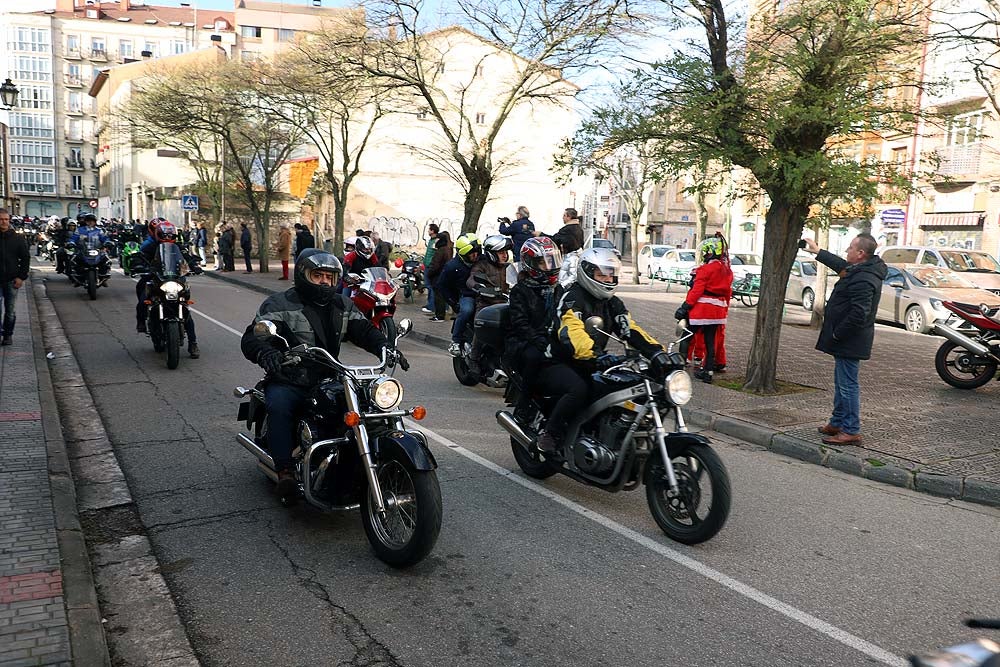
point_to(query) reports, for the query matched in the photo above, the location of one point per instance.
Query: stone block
(949, 486)
(797, 449)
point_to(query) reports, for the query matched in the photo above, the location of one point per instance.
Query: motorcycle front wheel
(699, 510)
(92, 285)
(961, 368)
(408, 530)
(388, 328)
(173, 344)
(408, 292)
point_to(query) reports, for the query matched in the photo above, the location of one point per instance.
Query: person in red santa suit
(706, 305)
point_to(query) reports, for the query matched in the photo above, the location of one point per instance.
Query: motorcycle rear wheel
(173, 344)
(92, 285)
(410, 527)
(965, 370)
(462, 372)
(531, 463)
(678, 515)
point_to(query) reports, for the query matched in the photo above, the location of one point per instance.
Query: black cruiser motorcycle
(168, 298)
(622, 440)
(352, 450)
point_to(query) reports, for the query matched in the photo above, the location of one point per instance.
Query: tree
(970, 32)
(785, 104)
(215, 99)
(526, 47)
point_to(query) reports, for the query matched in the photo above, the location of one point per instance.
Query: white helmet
(598, 272)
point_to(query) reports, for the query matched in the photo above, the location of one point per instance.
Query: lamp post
(8, 98)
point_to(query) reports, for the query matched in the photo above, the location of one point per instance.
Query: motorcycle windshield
(171, 260)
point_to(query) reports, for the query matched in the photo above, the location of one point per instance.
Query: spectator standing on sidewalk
(706, 305)
(201, 243)
(432, 232)
(382, 250)
(443, 250)
(14, 263)
(246, 245)
(303, 239)
(519, 231)
(849, 330)
(284, 249)
(227, 246)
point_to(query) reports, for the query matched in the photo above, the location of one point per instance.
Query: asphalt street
(813, 568)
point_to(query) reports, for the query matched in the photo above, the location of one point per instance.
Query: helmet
(314, 259)
(165, 232)
(540, 259)
(153, 224)
(494, 245)
(711, 248)
(365, 247)
(349, 243)
(88, 218)
(465, 245)
(594, 264)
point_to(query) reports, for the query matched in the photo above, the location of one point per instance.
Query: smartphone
(802, 243)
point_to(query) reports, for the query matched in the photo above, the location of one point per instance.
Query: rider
(593, 294)
(60, 235)
(454, 290)
(706, 305)
(161, 230)
(492, 268)
(362, 257)
(89, 230)
(310, 313)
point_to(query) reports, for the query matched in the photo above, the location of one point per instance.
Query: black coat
(532, 317)
(569, 238)
(849, 323)
(14, 257)
(246, 241)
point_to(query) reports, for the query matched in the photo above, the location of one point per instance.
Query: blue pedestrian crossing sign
(189, 202)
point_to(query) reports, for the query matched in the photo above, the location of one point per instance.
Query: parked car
(978, 267)
(802, 282)
(648, 252)
(675, 264)
(912, 295)
(743, 263)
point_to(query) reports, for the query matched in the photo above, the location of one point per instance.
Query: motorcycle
(374, 294)
(411, 277)
(88, 266)
(484, 328)
(352, 450)
(620, 442)
(978, 653)
(127, 255)
(168, 299)
(969, 356)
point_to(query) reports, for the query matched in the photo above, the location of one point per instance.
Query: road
(813, 568)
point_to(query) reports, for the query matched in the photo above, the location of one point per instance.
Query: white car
(743, 263)
(649, 252)
(675, 264)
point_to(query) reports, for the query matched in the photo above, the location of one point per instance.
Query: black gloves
(606, 361)
(682, 312)
(398, 358)
(270, 360)
(660, 363)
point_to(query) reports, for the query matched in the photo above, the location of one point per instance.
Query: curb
(130, 586)
(236, 281)
(83, 612)
(971, 490)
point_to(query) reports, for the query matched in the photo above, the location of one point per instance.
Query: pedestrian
(569, 238)
(246, 245)
(432, 232)
(284, 249)
(519, 231)
(382, 250)
(706, 305)
(443, 250)
(216, 253)
(14, 263)
(201, 243)
(227, 246)
(849, 330)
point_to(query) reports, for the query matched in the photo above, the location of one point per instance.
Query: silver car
(802, 283)
(978, 267)
(912, 295)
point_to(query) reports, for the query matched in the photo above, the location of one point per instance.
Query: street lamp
(8, 94)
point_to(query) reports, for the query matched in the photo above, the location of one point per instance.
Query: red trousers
(697, 348)
(284, 269)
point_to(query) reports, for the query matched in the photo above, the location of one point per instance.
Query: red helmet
(541, 259)
(152, 225)
(165, 232)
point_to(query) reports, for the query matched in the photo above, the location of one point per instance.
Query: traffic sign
(189, 202)
(92, 203)
(893, 217)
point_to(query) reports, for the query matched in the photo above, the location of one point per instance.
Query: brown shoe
(829, 430)
(288, 487)
(843, 439)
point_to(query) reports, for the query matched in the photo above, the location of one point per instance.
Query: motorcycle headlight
(171, 289)
(678, 386)
(386, 393)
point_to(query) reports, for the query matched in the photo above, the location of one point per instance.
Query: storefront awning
(967, 219)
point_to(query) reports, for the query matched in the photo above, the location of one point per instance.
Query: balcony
(72, 53)
(99, 55)
(73, 81)
(74, 111)
(74, 163)
(959, 161)
(71, 136)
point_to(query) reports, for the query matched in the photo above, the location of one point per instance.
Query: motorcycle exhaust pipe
(509, 424)
(964, 341)
(252, 447)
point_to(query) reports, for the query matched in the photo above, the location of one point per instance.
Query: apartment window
(27, 179)
(76, 183)
(153, 48)
(480, 118)
(30, 68)
(32, 152)
(34, 97)
(221, 25)
(74, 102)
(74, 130)
(966, 129)
(30, 125)
(75, 155)
(32, 40)
(73, 44)
(899, 157)
(94, 72)
(422, 114)
(73, 75)
(679, 192)
(251, 32)
(248, 56)
(97, 45)
(177, 46)
(125, 48)
(285, 35)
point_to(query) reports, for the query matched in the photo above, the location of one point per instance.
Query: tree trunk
(784, 223)
(634, 237)
(701, 210)
(819, 302)
(480, 181)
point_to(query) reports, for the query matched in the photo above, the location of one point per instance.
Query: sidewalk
(41, 546)
(919, 433)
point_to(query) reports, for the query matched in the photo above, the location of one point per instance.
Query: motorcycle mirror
(593, 324)
(353, 279)
(682, 327)
(265, 329)
(404, 327)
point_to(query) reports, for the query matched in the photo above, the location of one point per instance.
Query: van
(978, 267)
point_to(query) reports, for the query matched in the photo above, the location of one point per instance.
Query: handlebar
(329, 359)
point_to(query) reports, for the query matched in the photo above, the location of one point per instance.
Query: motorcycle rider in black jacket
(314, 314)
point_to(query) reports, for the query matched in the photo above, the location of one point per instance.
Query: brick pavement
(33, 620)
(911, 420)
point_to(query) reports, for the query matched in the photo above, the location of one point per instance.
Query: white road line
(215, 321)
(747, 591)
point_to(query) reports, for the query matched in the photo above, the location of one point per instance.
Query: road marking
(747, 591)
(215, 321)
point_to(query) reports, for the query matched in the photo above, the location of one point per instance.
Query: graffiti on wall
(407, 233)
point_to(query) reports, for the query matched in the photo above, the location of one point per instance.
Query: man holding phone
(849, 330)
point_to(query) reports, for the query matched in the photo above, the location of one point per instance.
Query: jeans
(246, 258)
(466, 311)
(204, 257)
(284, 404)
(846, 396)
(8, 295)
(430, 291)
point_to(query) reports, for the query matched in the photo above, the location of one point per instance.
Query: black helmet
(87, 218)
(313, 259)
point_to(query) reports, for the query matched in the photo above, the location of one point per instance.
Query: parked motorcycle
(353, 451)
(620, 442)
(970, 355)
(484, 326)
(88, 265)
(374, 294)
(978, 653)
(411, 277)
(168, 299)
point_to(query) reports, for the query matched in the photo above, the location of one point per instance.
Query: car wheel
(914, 320)
(808, 299)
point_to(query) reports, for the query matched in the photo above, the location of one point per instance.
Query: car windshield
(745, 258)
(937, 277)
(809, 268)
(959, 260)
(660, 252)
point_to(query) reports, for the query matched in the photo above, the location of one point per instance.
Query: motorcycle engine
(596, 454)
